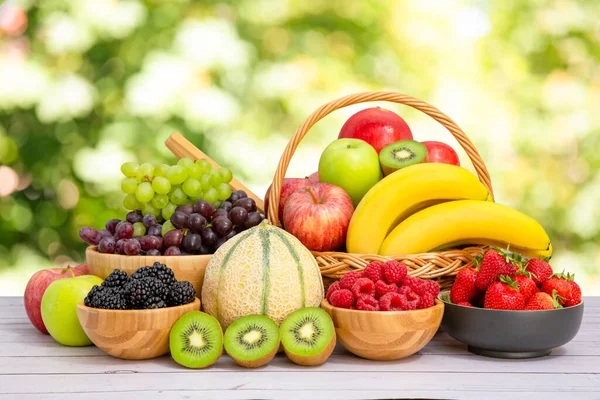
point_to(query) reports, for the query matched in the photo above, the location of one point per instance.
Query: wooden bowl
(385, 335)
(132, 334)
(185, 268)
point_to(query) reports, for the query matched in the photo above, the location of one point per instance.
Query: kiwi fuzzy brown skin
(317, 359)
(256, 363)
(390, 162)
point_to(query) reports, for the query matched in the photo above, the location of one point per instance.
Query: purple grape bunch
(200, 228)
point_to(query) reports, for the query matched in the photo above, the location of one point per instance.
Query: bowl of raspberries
(383, 313)
(511, 306)
(130, 316)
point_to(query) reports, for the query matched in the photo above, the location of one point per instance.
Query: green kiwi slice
(196, 340)
(252, 340)
(308, 336)
(401, 154)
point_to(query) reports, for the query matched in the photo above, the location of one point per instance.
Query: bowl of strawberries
(382, 313)
(512, 307)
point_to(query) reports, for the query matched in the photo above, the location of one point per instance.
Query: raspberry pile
(504, 281)
(149, 287)
(383, 287)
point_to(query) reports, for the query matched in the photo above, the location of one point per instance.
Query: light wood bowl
(385, 335)
(185, 268)
(132, 334)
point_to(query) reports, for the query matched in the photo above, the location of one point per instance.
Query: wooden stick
(181, 148)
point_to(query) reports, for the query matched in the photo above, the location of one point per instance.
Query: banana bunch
(431, 207)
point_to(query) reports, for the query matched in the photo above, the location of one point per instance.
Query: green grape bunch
(158, 190)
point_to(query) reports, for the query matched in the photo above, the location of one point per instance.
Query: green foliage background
(93, 83)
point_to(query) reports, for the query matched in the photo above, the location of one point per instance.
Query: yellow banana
(403, 193)
(465, 222)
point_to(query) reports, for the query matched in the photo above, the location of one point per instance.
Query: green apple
(351, 164)
(59, 309)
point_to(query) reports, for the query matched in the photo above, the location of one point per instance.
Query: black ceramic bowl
(511, 334)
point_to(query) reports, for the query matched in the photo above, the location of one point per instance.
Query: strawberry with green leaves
(539, 269)
(464, 288)
(565, 287)
(495, 262)
(504, 295)
(543, 301)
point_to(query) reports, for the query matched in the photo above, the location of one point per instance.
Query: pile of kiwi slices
(401, 154)
(307, 337)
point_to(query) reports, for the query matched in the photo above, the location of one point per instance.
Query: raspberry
(349, 279)
(394, 271)
(332, 288)
(432, 287)
(363, 287)
(427, 300)
(405, 290)
(342, 298)
(464, 303)
(374, 271)
(410, 295)
(367, 303)
(391, 302)
(382, 288)
(408, 304)
(417, 285)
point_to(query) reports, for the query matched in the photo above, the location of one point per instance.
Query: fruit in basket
(37, 285)
(504, 295)
(543, 301)
(465, 222)
(376, 126)
(308, 336)
(264, 270)
(314, 177)
(351, 164)
(494, 263)
(196, 340)
(401, 154)
(318, 216)
(252, 341)
(464, 288)
(59, 308)
(403, 193)
(566, 288)
(288, 187)
(439, 152)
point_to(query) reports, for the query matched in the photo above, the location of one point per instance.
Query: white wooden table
(33, 366)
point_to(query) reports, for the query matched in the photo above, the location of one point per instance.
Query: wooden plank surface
(33, 366)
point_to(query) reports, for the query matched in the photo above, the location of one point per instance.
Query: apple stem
(69, 269)
(309, 190)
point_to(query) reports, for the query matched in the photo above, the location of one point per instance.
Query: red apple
(438, 152)
(314, 177)
(376, 126)
(289, 186)
(319, 216)
(37, 286)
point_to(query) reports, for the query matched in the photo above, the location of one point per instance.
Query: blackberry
(117, 279)
(158, 271)
(155, 302)
(181, 293)
(109, 298)
(142, 291)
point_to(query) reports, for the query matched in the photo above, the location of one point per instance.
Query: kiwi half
(401, 154)
(252, 340)
(308, 336)
(196, 340)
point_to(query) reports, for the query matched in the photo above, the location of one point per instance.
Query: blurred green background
(88, 84)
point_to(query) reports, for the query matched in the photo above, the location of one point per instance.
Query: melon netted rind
(264, 270)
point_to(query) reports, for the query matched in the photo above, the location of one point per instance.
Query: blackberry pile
(149, 287)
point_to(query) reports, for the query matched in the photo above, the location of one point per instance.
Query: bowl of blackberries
(184, 241)
(130, 316)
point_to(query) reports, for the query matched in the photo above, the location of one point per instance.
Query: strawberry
(543, 301)
(464, 303)
(464, 288)
(493, 264)
(560, 283)
(540, 270)
(575, 294)
(504, 295)
(527, 286)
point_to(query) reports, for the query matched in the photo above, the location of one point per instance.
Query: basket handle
(395, 97)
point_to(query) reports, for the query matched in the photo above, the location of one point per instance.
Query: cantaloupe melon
(263, 270)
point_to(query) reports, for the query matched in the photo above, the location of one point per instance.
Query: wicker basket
(441, 266)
